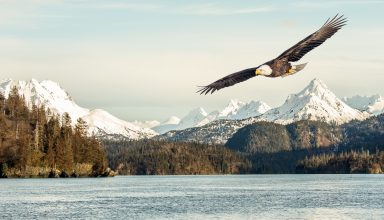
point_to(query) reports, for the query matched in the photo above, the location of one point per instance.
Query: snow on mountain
(231, 109)
(46, 93)
(195, 118)
(251, 109)
(372, 104)
(314, 102)
(146, 124)
(216, 132)
(235, 110)
(102, 123)
(52, 96)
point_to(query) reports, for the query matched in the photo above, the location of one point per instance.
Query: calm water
(195, 197)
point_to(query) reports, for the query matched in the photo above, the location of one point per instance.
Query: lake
(195, 197)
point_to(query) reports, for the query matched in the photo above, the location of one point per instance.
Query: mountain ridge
(54, 97)
(314, 102)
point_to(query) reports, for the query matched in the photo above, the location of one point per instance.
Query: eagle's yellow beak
(258, 72)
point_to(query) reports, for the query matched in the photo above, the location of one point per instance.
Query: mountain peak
(196, 117)
(53, 96)
(317, 82)
(314, 102)
(250, 109)
(34, 81)
(316, 87)
(231, 109)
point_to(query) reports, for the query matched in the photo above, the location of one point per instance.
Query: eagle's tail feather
(294, 69)
(299, 67)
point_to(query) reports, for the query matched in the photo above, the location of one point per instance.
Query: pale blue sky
(144, 59)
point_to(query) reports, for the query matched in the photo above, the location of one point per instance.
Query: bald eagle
(281, 66)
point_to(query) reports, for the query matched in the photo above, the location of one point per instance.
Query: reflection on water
(196, 197)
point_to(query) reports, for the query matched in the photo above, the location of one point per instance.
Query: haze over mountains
(314, 102)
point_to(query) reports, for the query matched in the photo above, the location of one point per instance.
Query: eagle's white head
(264, 70)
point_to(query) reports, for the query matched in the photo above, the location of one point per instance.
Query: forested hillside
(37, 143)
(150, 157)
(263, 147)
(361, 151)
(269, 137)
(33, 144)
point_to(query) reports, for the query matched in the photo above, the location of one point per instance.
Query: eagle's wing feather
(330, 27)
(228, 81)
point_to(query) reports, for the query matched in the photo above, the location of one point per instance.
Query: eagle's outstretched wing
(228, 81)
(330, 27)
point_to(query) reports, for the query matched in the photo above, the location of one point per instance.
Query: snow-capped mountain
(195, 118)
(235, 110)
(102, 123)
(52, 96)
(46, 93)
(231, 109)
(371, 104)
(315, 102)
(251, 109)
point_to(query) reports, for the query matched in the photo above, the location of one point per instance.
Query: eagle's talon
(291, 71)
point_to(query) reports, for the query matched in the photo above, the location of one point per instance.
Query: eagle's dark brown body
(281, 66)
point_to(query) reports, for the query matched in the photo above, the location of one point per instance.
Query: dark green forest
(262, 147)
(269, 137)
(149, 157)
(35, 143)
(312, 146)
(346, 162)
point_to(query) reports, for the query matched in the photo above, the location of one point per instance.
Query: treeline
(262, 148)
(346, 162)
(36, 143)
(311, 146)
(150, 157)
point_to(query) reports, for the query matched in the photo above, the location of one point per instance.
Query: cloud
(197, 9)
(215, 9)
